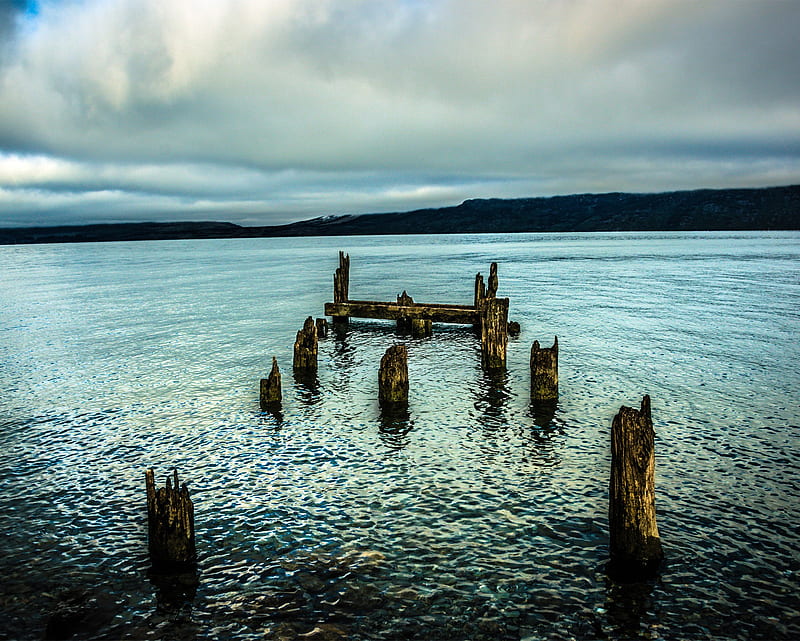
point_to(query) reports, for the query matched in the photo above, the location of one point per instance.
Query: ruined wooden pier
(487, 312)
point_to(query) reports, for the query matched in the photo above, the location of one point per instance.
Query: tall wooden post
(480, 291)
(494, 333)
(341, 286)
(170, 524)
(635, 545)
(341, 279)
(305, 348)
(271, 388)
(393, 377)
(491, 285)
(544, 371)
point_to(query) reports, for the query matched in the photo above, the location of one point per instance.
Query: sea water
(474, 516)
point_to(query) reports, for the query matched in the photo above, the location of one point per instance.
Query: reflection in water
(543, 412)
(395, 424)
(175, 592)
(307, 386)
(272, 415)
(630, 609)
(492, 397)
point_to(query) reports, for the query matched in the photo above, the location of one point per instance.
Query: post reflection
(629, 608)
(543, 412)
(395, 425)
(175, 592)
(491, 400)
(308, 388)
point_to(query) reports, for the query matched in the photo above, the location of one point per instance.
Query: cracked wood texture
(170, 523)
(544, 371)
(393, 376)
(635, 545)
(306, 347)
(271, 387)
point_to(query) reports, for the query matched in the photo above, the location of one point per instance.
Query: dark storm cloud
(255, 111)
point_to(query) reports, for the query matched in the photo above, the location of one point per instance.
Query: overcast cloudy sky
(267, 111)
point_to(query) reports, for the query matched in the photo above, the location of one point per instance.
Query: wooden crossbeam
(465, 314)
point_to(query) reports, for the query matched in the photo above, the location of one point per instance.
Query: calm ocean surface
(473, 519)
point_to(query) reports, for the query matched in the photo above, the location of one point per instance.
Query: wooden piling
(341, 286)
(494, 333)
(393, 377)
(421, 327)
(544, 371)
(491, 285)
(170, 524)
(404, 323)
(480, 291)
(271, 388)
(322, 328)
(514, 328)
(305, 348)
(635, 545)
(341, 279)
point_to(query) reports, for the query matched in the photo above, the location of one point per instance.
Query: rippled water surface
(474, 517)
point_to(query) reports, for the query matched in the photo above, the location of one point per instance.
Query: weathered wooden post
(491, 285)
(271, 388)
(635, 545)
(341, 285)
(170, 524)
(480, 291)
(544, 371)
(404, 323)
(393, 377)
(421, 327)
(305, 348)
(322, 328)
(514, 328)
(494, 333)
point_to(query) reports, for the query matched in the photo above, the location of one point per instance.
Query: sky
(264, 112)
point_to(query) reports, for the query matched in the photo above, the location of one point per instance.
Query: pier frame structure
(487, 312)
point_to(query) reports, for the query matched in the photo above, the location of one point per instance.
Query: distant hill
(773, 208)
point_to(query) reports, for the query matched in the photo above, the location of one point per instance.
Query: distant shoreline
(758, 209)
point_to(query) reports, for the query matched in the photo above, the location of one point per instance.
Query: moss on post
(170, 524)
(635, 545)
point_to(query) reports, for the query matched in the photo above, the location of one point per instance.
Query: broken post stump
(170, 524)
(393, 377)
(322, 328)
(544, 371)
(421, 327)
(404, 323)
(494, 333)
(514, 328)
(635, 545)
(271, 388)
(305, 348)
(341, 286)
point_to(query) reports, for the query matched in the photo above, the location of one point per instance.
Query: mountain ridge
(745, 209)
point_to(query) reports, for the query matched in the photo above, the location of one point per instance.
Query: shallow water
(473, 517)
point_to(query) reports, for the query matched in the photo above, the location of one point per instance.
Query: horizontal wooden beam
(464, 314)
